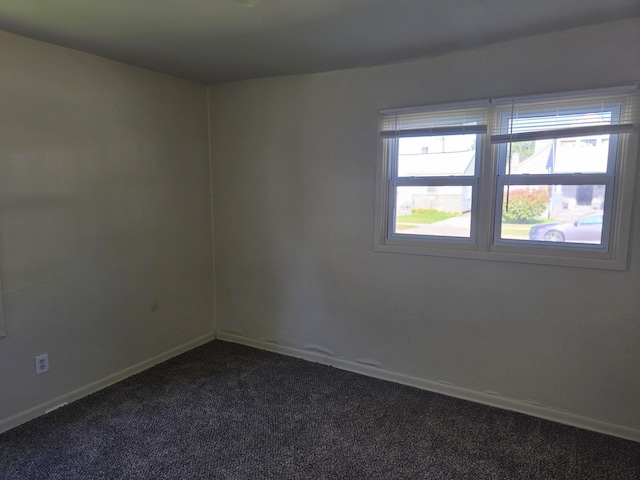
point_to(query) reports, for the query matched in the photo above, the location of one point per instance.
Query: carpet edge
(45, 407)
(504, 403)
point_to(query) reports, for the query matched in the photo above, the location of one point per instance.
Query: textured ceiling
(213, 41)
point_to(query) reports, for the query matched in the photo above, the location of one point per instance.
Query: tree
(523, 149)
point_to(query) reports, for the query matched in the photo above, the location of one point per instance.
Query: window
(433, 159)
(536, 179)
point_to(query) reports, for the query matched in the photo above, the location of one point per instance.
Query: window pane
(563, 155)
(553, 213)
(437, 156)
(437, 210)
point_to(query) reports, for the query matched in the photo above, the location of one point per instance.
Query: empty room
(337, 239)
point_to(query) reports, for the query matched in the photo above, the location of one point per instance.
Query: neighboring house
(454, 199)
(569, 155)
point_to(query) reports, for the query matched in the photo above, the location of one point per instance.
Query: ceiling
(214, 41)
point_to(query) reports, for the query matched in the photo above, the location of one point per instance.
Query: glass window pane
(563, 155)
(437, 210)
(437, 156)
(553, 213)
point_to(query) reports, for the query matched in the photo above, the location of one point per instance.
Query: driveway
(459, 226)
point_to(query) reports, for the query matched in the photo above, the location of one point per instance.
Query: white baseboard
(51, 405)
(519, 406)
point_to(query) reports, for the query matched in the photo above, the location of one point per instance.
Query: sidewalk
(459, 226)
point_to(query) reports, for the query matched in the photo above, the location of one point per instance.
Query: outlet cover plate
(42, 363)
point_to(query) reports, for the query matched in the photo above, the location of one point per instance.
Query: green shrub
(525, 205)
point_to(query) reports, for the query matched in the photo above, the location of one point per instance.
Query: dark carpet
(224, 411)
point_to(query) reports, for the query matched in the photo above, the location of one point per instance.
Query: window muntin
(582, 155)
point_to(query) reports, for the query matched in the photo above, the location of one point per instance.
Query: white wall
(105, 225)
(293, 180)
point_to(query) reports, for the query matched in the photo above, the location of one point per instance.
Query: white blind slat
(574, 116)
(435, 131)
(594, 112)
(430, 120)
(562, 133)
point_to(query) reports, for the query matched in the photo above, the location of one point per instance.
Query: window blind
(593, 113)
(451, 119)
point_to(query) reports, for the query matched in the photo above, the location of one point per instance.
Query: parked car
(584, 230)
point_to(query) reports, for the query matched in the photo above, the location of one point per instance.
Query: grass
(424, 217)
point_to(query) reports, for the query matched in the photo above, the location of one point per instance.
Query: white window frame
(432, 181)
(485, 243)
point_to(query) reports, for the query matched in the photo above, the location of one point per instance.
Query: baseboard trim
(519, 406)
(93, 387)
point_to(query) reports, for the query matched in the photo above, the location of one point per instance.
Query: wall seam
(213, 252)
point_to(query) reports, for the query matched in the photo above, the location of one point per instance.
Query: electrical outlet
(42, 363)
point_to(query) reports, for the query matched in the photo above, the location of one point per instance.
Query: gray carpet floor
(224, 411)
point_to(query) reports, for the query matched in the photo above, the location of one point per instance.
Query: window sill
(511, 253)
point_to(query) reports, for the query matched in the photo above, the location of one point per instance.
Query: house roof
(564, 157)
(436, 164)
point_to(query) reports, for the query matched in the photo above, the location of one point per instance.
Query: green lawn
(425, 216)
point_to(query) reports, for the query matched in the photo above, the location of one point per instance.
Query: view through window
(441, 205)
(546, 176)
